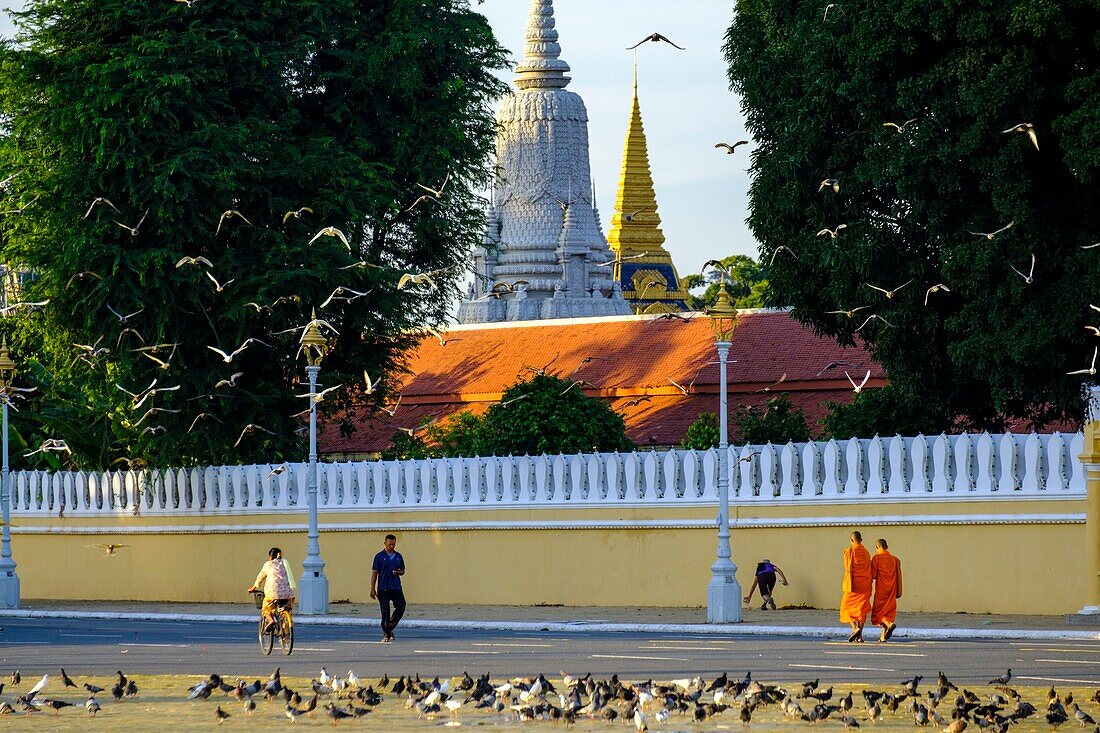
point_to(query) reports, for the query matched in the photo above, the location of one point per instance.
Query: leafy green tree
(885, 411)
(778, 423)
(746, 286)
(546, 414)
(904, 105)
(703, 433)
(140, 133)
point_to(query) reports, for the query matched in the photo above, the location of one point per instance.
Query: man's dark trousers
(390, 620)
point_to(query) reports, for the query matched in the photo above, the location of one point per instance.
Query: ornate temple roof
(542, 233)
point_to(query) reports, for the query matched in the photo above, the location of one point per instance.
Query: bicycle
(283, 628)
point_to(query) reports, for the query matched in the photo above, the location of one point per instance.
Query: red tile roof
(625, 358)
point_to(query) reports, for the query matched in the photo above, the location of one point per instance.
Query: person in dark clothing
(385, 585)
(765, 578)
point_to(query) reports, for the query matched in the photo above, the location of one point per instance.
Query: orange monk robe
(886, 571)
(855, 604)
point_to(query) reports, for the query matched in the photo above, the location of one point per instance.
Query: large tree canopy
(924, 197)
(138, 133)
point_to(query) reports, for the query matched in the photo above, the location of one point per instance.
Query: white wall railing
(943, 467)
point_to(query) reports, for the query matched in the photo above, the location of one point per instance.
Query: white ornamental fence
(944, 467)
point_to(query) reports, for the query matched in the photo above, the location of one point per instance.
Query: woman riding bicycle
(278, 585)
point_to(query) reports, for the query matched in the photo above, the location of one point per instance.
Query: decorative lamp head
(313, 344)
(7, 366)
(723, 316)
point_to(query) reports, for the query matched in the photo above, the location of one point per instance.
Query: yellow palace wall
(980, 556)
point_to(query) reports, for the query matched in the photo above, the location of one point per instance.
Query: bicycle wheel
(286, 631)
(267, 638)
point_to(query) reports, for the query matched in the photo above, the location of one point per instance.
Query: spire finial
(541, 67)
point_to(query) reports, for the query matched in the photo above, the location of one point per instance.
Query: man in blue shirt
(385, 585)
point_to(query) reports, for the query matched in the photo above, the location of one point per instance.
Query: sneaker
(764, 607)
(386, 638)
(771, 603)
(392, 637)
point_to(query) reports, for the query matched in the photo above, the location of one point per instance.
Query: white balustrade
(944, 467)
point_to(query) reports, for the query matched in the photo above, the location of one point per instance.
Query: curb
(814, 632)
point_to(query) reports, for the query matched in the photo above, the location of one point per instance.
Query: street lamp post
(9, 581)
(313, 587)
(723, 592)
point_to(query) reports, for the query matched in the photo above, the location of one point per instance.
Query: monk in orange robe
(886, 572)
(855, 603)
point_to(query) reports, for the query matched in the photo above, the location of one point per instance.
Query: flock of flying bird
(161, 355)
(572, 698)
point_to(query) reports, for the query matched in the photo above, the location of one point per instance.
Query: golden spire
(649, 281)
(635, 225)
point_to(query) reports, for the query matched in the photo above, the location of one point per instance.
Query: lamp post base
(1089, 611)
(313, 594)
(724, 600)
(9, 590)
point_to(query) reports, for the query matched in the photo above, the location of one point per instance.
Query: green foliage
(817, 94)
(703, 433)
(746, 287)
(546, 414)
(460, 435)
(179, 113)
(778, 423)
(885, 411)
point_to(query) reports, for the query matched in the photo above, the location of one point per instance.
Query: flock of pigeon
(689, 701)
(32, 702)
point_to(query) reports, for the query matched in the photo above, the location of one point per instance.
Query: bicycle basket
(258, 596)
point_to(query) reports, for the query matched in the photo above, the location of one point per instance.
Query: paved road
(98, 648)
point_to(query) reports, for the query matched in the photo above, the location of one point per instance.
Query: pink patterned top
(273, 579)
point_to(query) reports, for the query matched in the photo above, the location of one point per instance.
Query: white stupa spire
(541, 67)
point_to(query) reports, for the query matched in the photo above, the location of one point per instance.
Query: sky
(702, 193)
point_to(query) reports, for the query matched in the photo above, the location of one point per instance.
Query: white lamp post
(313, 586)
(723, 592)
(9, 581)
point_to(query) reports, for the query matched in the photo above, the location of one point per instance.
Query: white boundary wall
(945, 467)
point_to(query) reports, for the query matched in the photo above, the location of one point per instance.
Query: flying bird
(631, 215)
(935, 289)
(857, 388)
(825, 17)
(135, 229)
(320, 396)
(218, 287)
(850, 313)
(251, 428)
(832, 232)
(1091, 246)
(231, 382)
(502, 287)
(901, 127)
(782, 379)
(619, 260)
(108, 549)
(872, 317)
(1091, 371)
(371, 386)
(51, 445)
(332, 232)
(1026, 127)
(420, 278)
(124, 318)
(341, 293)
(194, 261)
(200, 416)
(229, 214)
(833, 183)
(437, 193)
(1029, 278)
(82, 275)
(686, 390)
(990, 235)
(227, 358)
(296, 214)
(96, 202)
(655, 38)
(730, 148)
(888, 293)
